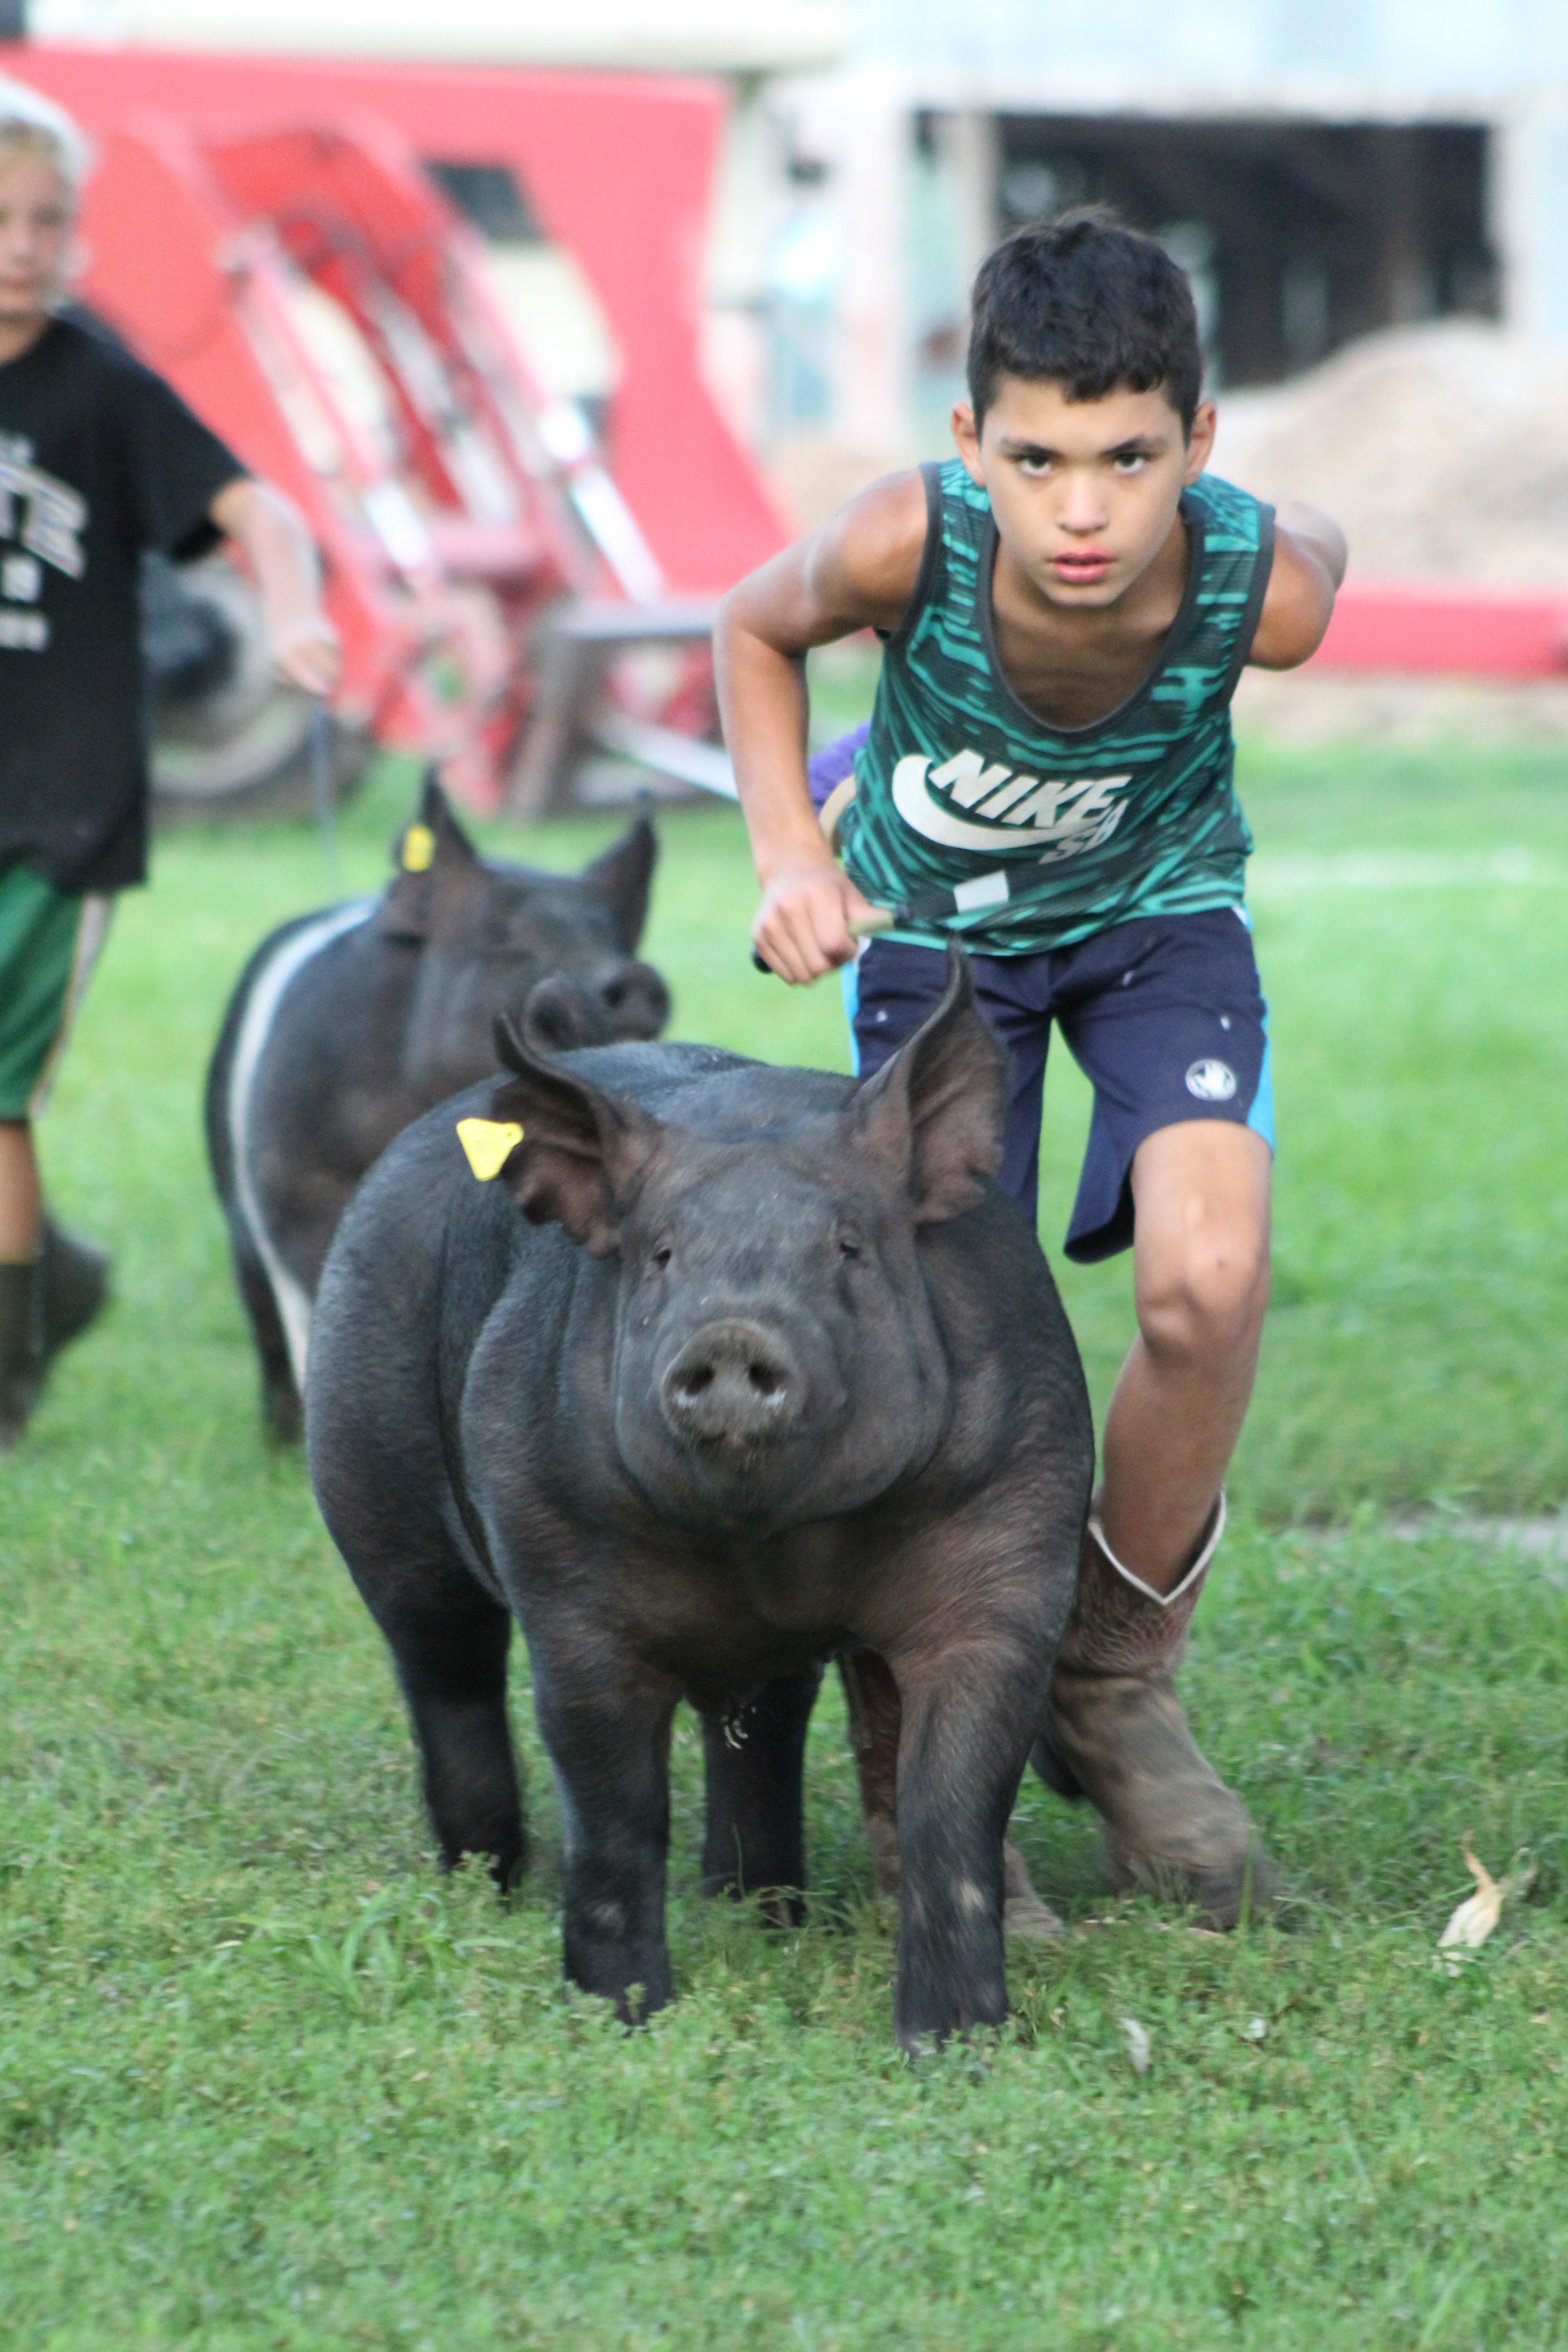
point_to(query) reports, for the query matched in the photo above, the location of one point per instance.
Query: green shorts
(49, 942)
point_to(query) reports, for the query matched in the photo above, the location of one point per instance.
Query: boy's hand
(802, 924)
(271, 530)
(306, 653)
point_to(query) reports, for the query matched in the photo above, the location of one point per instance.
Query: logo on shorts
(1211, 1081)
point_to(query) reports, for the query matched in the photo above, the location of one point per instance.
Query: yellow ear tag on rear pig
(488, 1144)
(418, 849)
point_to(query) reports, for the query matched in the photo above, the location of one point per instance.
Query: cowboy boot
(872, 1698)
(1116, 1734)
(75, 1279)
(21, 1346)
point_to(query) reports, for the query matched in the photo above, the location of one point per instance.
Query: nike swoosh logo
(927, 815)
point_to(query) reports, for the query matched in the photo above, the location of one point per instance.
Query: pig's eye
(848, 1244)
(661, 1254)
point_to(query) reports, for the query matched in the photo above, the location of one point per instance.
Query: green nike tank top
(1048, 834)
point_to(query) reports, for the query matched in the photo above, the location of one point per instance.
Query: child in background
(99, 459)
(1066, 607)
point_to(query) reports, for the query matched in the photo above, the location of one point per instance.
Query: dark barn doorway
(1298, 235)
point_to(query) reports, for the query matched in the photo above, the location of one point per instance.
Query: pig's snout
(630, 1000)
(637, 1000)
(732, 1385)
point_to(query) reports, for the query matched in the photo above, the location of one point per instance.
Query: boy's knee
(1203, 1298)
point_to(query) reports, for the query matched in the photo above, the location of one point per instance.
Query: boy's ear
(1200, 441)
(431, 853)
(966, 439)
(581, 1153)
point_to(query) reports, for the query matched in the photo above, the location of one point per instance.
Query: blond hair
(32, 124)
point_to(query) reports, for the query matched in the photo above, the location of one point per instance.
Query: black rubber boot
(76, 1287)
(21, 1346)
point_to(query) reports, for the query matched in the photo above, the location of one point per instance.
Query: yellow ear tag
(418, 848)
(488, 1144)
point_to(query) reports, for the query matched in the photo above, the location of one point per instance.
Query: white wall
(727, 35)
(1461, 57)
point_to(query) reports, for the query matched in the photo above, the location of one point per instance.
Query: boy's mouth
(1082, 570)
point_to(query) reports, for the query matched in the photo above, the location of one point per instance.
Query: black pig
(766, 1368)
(347, 1023)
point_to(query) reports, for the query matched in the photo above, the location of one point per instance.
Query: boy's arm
(859, 572)
(280, 552)
(1309, 565)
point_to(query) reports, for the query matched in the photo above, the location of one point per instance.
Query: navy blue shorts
(1165, 1017)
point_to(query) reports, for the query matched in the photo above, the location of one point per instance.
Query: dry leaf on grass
(1137, 2045)
(1479, 1914)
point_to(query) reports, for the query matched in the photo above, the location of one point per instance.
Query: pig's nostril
(634, 1001)
(731, 1385)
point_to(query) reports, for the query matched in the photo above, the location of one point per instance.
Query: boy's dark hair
(1086, 303)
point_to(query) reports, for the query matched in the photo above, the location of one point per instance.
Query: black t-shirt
(99, 459)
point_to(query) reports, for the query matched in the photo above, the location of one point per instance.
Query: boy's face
(37, 215)
(1084, 491)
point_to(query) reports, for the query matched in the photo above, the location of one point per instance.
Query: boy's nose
(1082, 507)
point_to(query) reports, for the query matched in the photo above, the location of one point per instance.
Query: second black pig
(347, 1023)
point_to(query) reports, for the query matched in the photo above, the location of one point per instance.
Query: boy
(99, 459)
(1067, 608)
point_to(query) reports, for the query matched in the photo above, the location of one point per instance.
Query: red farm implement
(514, 586)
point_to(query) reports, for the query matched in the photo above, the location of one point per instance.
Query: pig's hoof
(1225, 1891)
(1035, 1921)
(1023, 1913)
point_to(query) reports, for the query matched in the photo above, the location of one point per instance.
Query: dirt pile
(1443, 450)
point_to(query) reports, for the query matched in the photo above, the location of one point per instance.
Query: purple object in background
(826, 768)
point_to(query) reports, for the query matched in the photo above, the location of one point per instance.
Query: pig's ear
(582, 1151)
(622, 878)
(931, 1118)
(432, 849)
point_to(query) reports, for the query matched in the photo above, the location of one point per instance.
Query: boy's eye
(1034, 466)
(1130, 462)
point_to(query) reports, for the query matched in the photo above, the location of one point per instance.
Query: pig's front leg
(962, 1751)
(608, 1736)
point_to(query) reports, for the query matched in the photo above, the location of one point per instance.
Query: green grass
(266, 2081)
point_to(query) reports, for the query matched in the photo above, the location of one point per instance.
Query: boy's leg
(50, 1285)
(1168, 1021)
(21, 1285)
(1200, 1272)
(21, 1195)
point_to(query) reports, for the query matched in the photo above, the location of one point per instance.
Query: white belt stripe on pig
(289, 959)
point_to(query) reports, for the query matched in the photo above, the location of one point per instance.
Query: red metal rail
(1426, 628)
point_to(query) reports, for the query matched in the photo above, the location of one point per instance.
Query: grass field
(265, 2082)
